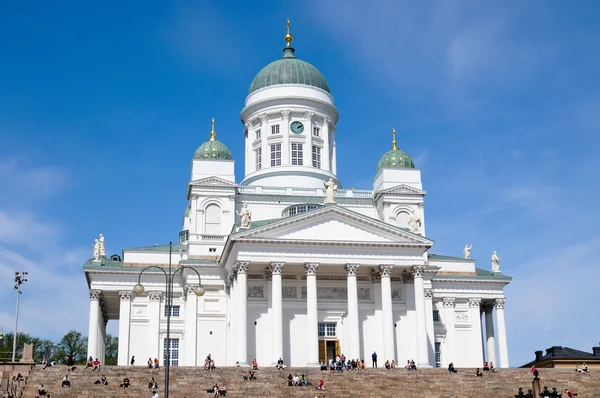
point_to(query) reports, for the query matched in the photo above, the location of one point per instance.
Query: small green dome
(395, 158)
(213, 149)
(289, 70)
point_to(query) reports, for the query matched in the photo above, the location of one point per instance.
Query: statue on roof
(414, 222)
(495, 262)
(246, 216)
(467, 252)
(330, 191)
(102, 249)
(96, 247)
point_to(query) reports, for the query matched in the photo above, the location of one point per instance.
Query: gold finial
(212, 131)
(288, 37)
(394, 147)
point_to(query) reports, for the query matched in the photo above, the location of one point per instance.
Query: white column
(387, 314)
(482, 331)
(154, 316)
(308, 143)
(423, 355)
(449, 321)
(93, 326)
(333, 146)
(241, 323)
(489, 331)
(124, 320)
(231, 354)
(325, 157)
(430, 326)
(250, 137)
(277, 302)
(194, 213)
(312, 332)
(266, 154)
(284, 129)
(501, 326)
(475, 318)
(190, 331)
(353, 329)
(102, 342)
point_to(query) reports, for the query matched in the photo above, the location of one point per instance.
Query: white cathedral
(291, 265)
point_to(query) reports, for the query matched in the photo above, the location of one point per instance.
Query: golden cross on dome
(212, 131)
(288, 37)
(394, 147)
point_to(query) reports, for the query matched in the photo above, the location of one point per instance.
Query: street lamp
(198, 291)
(19, 280)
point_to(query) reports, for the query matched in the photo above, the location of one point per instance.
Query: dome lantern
(395, 158)
(212, 149)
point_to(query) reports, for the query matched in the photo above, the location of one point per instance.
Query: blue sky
(103, 104)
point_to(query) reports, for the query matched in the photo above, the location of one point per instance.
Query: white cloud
(23, 182)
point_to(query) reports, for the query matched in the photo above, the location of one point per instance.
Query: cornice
(258, 106)
(329, 242)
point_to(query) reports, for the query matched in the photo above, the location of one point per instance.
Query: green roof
(396, 159)
(213, 150)
(262, 223)
(289, 70)
(157, 248)
(489, 274)
(433, 256)
(104, 263)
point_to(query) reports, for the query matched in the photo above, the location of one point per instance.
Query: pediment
(333, 224)
(213, 182)
(403, 190)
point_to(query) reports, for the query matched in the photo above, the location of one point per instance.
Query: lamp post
(198, 291)
(19, 280)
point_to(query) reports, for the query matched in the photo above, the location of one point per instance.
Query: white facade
(305, 281)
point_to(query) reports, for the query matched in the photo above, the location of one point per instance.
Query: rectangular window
(297, 154)
(327, 329)
(174, 351)
(276, 155)
(275, 129)
(174, 310)
(258, 158)
(436, 316)
(258, 134)
(212, 249)
(316, 157)
(438, 355)
(316, 131)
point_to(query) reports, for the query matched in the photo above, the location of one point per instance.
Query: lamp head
(199, 291)
(138, 289)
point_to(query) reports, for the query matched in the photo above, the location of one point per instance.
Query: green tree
(73, 343)
(6, 345)
(112, 350)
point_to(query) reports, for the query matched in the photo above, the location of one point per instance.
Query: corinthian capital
(326, 121)
(95, 294)
(500, 303)
(277, 268)
(241, 267)
(264, 118)
(125, 295)
(385, 270)
(351, 269)
(285, 115)
(475, 302)
(311, 268)
(418, 271)
(308, 115)
(449, 301)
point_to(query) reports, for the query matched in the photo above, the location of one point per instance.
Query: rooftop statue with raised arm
(467, 252)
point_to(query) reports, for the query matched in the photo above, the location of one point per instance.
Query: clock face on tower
(297, 127)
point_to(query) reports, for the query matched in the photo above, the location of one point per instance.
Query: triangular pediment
(403, 190)
(213, 182)
(333, 223)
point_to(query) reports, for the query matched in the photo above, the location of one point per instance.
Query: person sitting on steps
(280, 364)
(290, 380)
(486, 367)
(492, 368)
(41, 390)
(387, 365)
(223, 390)
(66, 382)
(245, 376)
(251, 375)
(96, 365)
(412, 365)
(254, 364)
(102, 381)
(451, 368)
(478, 373)
(89, 363)
(126, 383)
(152, 384)
(149, 363)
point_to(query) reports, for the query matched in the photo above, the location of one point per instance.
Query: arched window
(212, 220)
(402, 219)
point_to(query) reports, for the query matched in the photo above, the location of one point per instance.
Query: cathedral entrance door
(328, 350)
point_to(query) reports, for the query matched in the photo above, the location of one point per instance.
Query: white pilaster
(449, 321)
(312, 333)
(154, 315)
(264, 134)
(353, 330)
(194, 213)
(325, 157)
(333, 146)
(93, 326)
(476, 359)
(489, 331)
(285, 131)
(430, 326)
(277, 300)
(308, 143)
(250, 136)
(242, 311)
(190, 331)
(387, 314)
(124, 325)
(423, 356)
(501, 326)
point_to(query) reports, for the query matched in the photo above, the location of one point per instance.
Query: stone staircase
(193, 382)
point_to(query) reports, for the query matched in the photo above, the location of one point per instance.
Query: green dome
(213, 149)
(289, 70)
(396, 159)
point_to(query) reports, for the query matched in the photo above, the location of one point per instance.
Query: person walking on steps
(374, 358)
